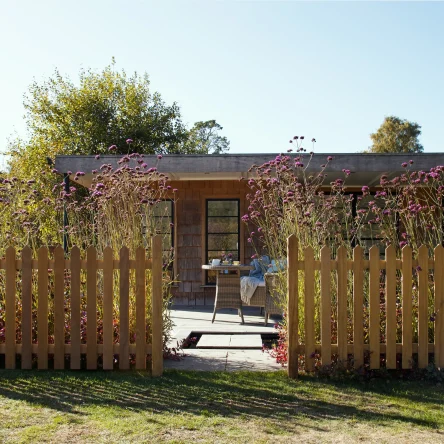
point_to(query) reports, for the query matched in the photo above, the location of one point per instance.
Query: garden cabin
(211, 199)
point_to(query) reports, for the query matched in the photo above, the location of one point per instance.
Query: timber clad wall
(190, 235)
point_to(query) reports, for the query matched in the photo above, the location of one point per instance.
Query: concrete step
(230, 341)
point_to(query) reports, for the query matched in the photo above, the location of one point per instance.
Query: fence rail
(37, 297)
(349, 306)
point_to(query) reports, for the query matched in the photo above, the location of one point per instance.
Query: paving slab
(199, 360)
(223, 361)
(246, 341)
(251, 360)
(214, 341)
(188, 319)
(198, 319)
(228, 341)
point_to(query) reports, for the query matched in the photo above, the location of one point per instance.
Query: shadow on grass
(271, 396)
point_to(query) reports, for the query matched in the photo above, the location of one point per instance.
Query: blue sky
(266, 71)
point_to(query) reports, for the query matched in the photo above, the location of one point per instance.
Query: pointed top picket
(124, 251)
(58, 251)
(407, 313)
(406, 249)
(358, 250)
(308, 252)
(423, 328)
(326, 251)
(390, 249)
(439, 307)
(108, 249)
(374, 321)
(423, 249)
(26, 250)
(390, 306)
(342, 251)
(358, 303)
(374, 249)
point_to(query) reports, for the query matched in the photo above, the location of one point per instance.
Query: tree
(203, 138)
(396, 136)
(105, 110)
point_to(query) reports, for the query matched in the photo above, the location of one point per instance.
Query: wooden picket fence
(75, 348)
(344, 268)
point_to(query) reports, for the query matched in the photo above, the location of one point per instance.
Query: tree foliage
(105, 109)
(204, 138)
(396, 136)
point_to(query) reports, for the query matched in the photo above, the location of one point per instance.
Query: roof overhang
(366, 169)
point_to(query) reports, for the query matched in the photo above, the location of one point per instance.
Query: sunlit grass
(208, 407)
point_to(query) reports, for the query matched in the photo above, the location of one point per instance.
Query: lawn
(215, 407)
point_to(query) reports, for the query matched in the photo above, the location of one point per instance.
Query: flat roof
(366, 169)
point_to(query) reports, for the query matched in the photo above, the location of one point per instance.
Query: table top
(227, 267)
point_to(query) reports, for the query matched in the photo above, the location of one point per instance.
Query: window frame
(225, 199)
(172, 266)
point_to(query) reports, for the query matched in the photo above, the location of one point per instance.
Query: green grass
(214, 407)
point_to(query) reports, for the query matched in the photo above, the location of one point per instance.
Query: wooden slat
(26, 309)
(132, 348)
(108, 328)
(439, 306)
(407, 317)
(83, 264)
(157, 307)
(422, 306)
(42, 315)
(59, 309)
(358, 306)
(10, 309)
(342, 304)
(140, 310)
(124, 309)
(91, 309)
(75, 308)
(309, 309)
(116, 348)
(390, 306)
(292, 309)
(374, 330)
(148, 264)
(325, 306)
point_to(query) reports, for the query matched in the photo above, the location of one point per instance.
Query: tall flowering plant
(122, 206)
(285, 198)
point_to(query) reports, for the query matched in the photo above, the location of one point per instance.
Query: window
(222, 231)
(369, 234)
(163, 219)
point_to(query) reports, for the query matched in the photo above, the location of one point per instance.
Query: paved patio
(198, 320)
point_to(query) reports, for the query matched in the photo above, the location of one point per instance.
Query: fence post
(42, 313)
(26, 308)
(91, 308)
(439, 306)
(325, 305)
(407, 316)
(292, 309)
(423, 328)
(10, 308)
(156, 307)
